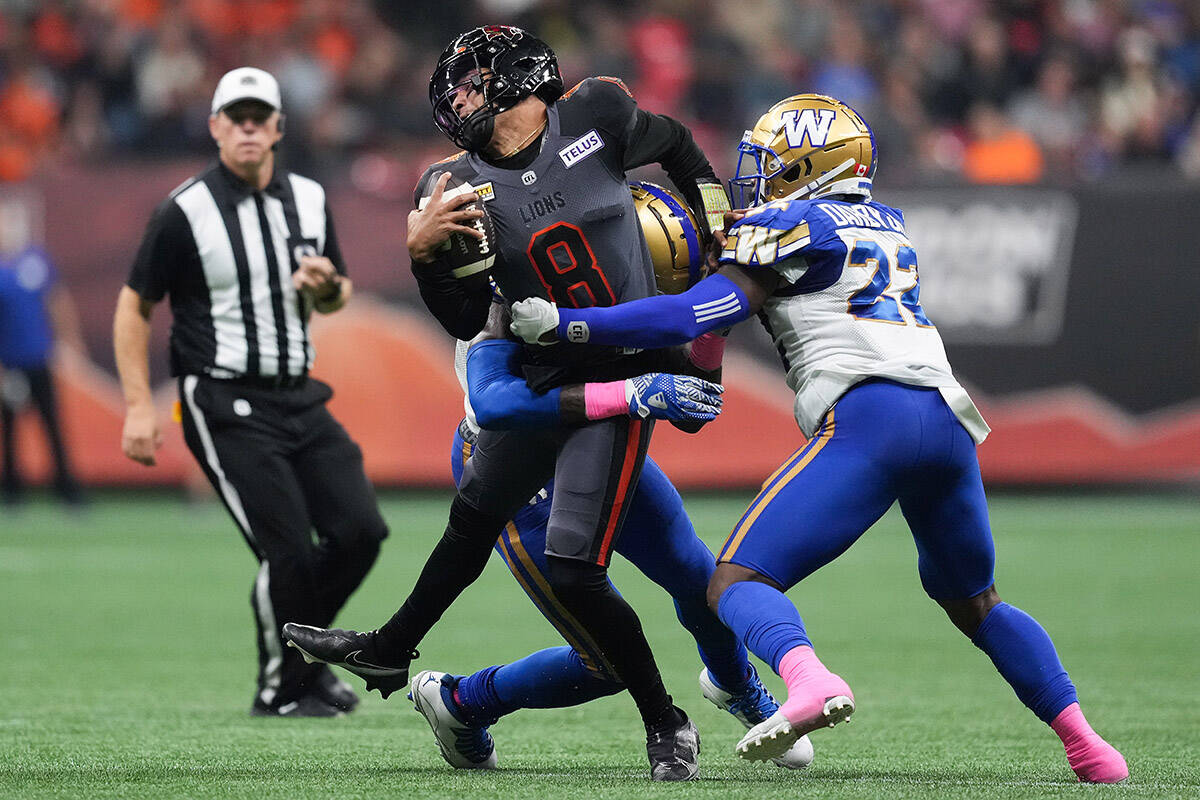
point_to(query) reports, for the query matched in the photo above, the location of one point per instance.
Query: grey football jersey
(565, 225)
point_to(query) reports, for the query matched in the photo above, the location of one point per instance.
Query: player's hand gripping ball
(463, 228)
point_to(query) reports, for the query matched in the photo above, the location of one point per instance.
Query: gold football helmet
(672, 235)
(808, 145)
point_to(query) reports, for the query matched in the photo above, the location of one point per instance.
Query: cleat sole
(774, 737)
(308, 657)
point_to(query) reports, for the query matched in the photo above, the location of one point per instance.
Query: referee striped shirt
(225, 252)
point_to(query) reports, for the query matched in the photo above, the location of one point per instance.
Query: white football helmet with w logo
(808, 145)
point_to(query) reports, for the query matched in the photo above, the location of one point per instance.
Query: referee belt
(266, 381)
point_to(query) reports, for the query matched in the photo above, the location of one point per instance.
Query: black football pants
(284, 467)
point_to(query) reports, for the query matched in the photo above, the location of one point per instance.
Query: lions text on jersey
(848, 307)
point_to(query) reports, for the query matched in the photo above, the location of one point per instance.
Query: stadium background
(1047, 155)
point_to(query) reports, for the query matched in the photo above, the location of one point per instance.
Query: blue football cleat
(754, 705)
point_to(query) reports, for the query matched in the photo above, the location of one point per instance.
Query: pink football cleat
(1093, 759)
(816, 699)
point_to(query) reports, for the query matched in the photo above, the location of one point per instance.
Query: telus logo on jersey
(581, 148)
(810, 122)
(541, 207)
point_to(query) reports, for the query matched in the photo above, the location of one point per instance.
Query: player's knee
(360, 534)
(968, 614)
(470, 523)
(726, 575)
(575, 580)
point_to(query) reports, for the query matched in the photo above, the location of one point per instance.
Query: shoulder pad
(597, 84)
(768, 233)
(454, 164)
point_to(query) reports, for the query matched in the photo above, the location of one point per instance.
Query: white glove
(535, 320)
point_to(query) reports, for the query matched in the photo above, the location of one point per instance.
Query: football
(466, 255)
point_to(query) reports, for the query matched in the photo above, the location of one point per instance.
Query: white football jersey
(460, 371)
(848, 307)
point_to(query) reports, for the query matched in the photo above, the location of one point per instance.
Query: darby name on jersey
(860, 215)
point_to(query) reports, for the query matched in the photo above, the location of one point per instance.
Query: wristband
(707, 351)
(715, 203)
(602, 400)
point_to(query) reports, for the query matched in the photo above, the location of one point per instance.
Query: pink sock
(602, 400)
(809, 685)
(1093, 759)
(797, 662)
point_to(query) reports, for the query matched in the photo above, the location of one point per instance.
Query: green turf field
(128, 651)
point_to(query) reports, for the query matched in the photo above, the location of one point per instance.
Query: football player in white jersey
(835, 278)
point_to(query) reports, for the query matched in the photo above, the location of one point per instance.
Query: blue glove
(673, 397)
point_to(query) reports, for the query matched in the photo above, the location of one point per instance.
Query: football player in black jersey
(550, 169)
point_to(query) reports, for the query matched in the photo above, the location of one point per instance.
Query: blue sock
(1023, 653)
(661, 542)
(551, 678)
(723, 655)
(763, 618)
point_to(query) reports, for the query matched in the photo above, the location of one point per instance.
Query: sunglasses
(258, 113)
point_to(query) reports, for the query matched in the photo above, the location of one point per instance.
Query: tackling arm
(714, 303)
(502, 400)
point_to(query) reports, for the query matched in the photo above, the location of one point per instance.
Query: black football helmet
(506, 64)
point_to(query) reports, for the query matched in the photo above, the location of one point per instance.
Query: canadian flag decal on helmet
(810, 122)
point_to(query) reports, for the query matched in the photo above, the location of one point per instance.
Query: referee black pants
(285, 468)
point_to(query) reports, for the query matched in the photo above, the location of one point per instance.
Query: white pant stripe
(272, 673)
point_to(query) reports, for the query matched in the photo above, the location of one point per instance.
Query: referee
(247, 252)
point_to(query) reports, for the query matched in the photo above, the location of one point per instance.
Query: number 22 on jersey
(879, 300)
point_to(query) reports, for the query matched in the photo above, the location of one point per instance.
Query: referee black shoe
(352, 651)
(673, 750)
(309, 705)
(335, 691)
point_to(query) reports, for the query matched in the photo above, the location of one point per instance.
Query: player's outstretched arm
(714, 303)
(501, 399)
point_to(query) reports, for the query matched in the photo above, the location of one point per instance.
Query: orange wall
(395, 391)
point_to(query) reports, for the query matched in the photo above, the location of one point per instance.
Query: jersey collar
(241, 189)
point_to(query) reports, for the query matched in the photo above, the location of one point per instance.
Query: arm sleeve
(661, 139)
(661, 321)
(167, 242)
(499, 397)
(646, 138)
(460, 305)
(333, 250)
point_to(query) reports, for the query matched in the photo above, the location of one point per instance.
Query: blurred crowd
(1008, 91)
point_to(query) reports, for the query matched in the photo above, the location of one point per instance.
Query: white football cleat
(751, 707)
(773, 738)
(463, 746)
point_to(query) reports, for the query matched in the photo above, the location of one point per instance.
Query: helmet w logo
(810, 122)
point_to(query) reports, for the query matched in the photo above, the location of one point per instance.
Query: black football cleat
(351, 651)
(673, 751)
(309, 705)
